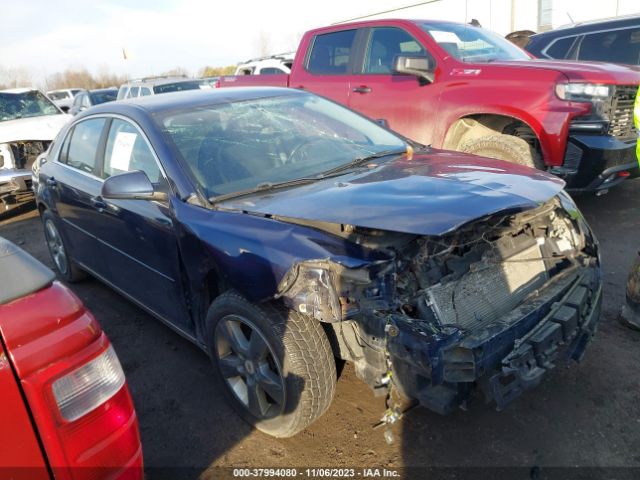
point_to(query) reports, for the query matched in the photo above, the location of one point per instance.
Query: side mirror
(417, 65)
(131, 186)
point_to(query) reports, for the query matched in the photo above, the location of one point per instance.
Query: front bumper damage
(15, 188)
(505, 360)
(489, 308)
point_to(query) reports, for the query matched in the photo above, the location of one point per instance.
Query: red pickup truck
(461, 87)
(65, 412)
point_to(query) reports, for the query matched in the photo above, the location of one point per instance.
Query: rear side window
(133, 93)
(271, 71)
(127, 151)
(617, 46)
(560, 48)
(385, 45)
(331, 53)
(83, 146)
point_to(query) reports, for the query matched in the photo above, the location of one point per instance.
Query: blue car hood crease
(431, 194)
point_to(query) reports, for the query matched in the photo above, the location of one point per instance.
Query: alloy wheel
(249, 366)
(56, 247)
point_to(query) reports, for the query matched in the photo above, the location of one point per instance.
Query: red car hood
(589, 72)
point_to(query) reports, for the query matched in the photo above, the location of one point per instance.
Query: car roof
(19, 90)
(600, 24)
(152, 81)
(99, 90)
(192, 99)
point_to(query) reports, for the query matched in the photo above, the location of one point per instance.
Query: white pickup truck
(29, 121)
(271, 65)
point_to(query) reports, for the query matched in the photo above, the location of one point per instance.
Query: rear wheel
(274, 365)
(504, 147)
(59, 252)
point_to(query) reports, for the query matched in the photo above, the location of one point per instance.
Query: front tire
(275, 365)
(504, 147)
(64, 264)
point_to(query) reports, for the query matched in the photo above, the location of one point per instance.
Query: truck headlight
(582, 92)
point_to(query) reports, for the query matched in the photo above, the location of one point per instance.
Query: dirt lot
(585, 415)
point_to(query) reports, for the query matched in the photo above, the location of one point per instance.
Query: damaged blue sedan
(278, 230)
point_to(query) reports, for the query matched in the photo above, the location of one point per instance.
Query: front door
(138, 236)
(408, 106)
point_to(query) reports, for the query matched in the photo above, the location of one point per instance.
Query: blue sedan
(278, 230)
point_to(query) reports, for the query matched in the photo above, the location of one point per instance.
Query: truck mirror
(419, 65)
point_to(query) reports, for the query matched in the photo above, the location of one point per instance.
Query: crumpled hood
(44, 127)
(432, 194)
(590, 72)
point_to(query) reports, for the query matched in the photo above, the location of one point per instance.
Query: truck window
(559, 48)
(331, 53)
(617, 46)
(385, 44)
(271, 71)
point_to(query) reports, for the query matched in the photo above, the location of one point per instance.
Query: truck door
(408, 106)
(328, 66)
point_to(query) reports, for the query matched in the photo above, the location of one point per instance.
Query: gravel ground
(582, 415)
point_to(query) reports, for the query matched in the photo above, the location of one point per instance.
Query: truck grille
(621, 122)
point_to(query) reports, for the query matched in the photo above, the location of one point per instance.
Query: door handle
(98, 203)
(362, 89)
(51, 182)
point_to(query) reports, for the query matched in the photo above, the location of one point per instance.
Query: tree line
(83, 78)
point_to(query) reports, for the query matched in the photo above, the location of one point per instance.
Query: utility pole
(513, 15)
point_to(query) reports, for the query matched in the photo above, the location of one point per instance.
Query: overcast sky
(48, 36)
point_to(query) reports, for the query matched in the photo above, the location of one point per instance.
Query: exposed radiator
(481, 297)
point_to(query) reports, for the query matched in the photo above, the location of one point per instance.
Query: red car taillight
(75, 388)
(89, 386)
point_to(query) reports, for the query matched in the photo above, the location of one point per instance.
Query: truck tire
(59, 251)
(503, 147)
(275, 365)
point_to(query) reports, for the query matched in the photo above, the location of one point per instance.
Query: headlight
(310, 290)
(6, 158)
(582, 92)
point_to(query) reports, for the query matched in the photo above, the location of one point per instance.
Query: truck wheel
(275, 365)
(59, 252)
(503, 147)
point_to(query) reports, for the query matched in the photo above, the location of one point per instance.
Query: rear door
(407, 105)
(137, 236)
(328, 66)
(74, 182)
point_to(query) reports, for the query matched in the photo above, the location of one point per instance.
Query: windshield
(473, 44)
(238, 146)
(177, 86)
(103, 96)
(25, 104)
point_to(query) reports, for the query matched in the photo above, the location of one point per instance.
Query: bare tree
(216, 71)
(15, 77)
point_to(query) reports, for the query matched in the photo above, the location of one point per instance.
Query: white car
(29, 121)
(63, 98)
(274, 64)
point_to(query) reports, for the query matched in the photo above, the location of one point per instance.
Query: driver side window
(385, 45)
(127, 151)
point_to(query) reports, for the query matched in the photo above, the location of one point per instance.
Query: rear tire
(504, 147)
(59, 251)
(275, 365)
